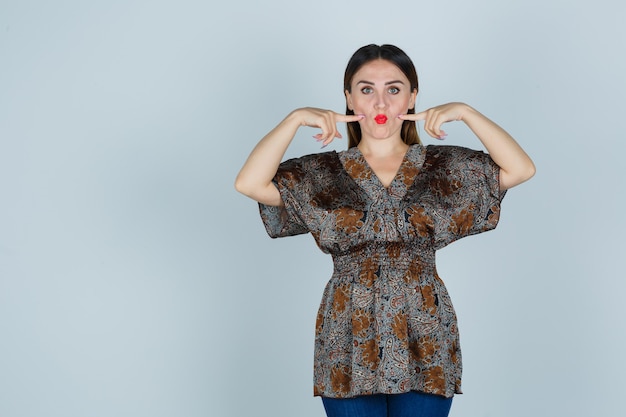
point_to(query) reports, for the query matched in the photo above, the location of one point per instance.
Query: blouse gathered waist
(396, 255)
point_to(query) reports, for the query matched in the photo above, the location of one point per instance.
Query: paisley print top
(386, 322)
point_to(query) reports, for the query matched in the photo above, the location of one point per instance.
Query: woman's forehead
(379, 70)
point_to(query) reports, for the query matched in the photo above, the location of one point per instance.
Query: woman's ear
(412, 99)
(348, 100)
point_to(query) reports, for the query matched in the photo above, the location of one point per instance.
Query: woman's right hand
(255, 177)
(326, 120)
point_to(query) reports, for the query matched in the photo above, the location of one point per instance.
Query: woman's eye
(367, 90)
(394, 90)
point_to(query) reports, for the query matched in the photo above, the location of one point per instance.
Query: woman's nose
(380, 102)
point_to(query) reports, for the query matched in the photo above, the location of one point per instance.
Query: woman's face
(380, 92)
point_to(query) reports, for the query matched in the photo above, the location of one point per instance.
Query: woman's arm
(515, 165)
(255, 178)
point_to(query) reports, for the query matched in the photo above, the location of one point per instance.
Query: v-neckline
(367, 179)
(375, 175)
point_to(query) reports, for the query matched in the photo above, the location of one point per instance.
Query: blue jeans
(410, 404)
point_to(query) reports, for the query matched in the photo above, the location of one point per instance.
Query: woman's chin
(381, 132)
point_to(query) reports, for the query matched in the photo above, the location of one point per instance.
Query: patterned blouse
(386, 322)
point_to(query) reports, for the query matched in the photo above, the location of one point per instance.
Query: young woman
(387, 341)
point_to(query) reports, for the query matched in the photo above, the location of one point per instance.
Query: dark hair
(400, 59)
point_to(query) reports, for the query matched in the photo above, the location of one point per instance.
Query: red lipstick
(381, 119)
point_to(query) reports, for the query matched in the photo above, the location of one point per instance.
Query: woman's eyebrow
(387, 83)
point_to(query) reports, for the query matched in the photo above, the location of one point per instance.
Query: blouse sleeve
(286, 220)
(467, 188)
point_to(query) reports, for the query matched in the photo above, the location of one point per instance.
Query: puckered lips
(381, 119)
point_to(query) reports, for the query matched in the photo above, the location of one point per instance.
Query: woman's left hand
(515, 165)
(436, 116)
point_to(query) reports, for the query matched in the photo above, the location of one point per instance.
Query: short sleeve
(466, 185)
(286, 220)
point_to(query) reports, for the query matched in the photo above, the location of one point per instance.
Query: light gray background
(134, 281)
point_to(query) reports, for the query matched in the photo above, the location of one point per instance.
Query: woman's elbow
(244, 187)
(520, 175)
(530, 171)
(265, 194)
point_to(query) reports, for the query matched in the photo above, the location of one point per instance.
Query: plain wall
(134, 280)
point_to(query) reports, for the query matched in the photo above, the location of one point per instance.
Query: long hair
(400, 59)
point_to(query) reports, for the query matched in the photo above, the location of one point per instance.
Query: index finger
(349, 117)
(414, 117)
